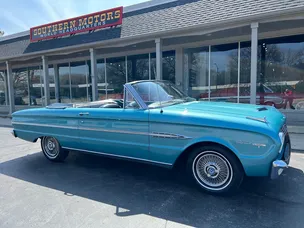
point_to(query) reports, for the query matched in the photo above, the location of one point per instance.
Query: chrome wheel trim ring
(50, 147)
(217, 166)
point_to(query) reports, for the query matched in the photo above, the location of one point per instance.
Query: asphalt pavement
(93, 191)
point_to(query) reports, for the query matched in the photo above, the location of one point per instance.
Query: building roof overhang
(198, 29)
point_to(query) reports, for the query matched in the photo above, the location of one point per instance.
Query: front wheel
(215, 170)
(52, 149)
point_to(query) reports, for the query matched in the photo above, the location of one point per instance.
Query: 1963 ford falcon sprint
(219, 143)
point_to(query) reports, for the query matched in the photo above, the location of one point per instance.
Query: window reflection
(3, 89)
(168, 66)
(52, 84)
(224, 73)
(116, 77)
(35, 86)
(101, 79)
(198, 65)
(245, 72)
(281, 76)
(21, 88)
(138, 67)
(64, 83)
(79, 83)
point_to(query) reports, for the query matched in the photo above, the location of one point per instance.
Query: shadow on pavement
(143, 189)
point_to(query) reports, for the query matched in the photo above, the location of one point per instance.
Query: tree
(1, 33)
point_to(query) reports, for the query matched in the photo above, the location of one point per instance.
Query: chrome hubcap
(212, 170)
(50, 147)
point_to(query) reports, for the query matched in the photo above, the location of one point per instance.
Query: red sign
(107, 18)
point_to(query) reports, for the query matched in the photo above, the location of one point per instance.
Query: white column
(6, 89)
(159, 59)
(11, 92)
(56, 80)
(179, 68)
(254, 62)
(46, 81)
(94, 74)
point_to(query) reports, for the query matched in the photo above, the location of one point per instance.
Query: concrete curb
(295, 129)
(8, 126)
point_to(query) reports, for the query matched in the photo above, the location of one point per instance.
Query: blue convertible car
(219, 143)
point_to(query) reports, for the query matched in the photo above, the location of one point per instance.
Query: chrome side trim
(168, 135)
(263, 120)
(112, 131)
(118, 156)
(153, 134)
(45, 125)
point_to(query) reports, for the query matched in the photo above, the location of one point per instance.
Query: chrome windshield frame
(129, 88)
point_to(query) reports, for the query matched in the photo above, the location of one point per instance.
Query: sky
(21, 15)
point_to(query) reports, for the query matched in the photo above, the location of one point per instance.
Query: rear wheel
(52, 149)
(215, 170)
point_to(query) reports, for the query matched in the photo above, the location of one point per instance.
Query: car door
(119, 132)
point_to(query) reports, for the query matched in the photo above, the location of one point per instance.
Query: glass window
(79, 83)
(138, 67)
(21, 86)
(224, 73)
(52, 84)
(116, 77)
(3, 89)
(156, 94)
(64, 82)
(35, 86)
(130, 101)
(198, 72)
(101, 79)
(281, 79)
(153, 66)
(245, 72)
(168, 66)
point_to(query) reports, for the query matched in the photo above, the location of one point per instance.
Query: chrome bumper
(14, 133)
(277, 169)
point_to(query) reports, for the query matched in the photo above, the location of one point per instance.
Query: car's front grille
(284, 129)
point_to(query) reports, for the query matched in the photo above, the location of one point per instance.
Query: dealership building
(214, 50)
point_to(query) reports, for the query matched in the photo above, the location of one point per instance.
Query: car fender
(211, 139)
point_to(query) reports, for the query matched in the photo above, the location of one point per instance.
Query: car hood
(223, 111)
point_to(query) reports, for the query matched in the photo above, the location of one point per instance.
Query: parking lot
(93, 191)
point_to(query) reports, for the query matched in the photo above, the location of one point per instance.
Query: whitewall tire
(215, 169)
(52, 149)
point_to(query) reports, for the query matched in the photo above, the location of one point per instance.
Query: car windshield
(160, 93)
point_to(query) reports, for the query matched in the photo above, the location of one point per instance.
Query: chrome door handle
(84, 114)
